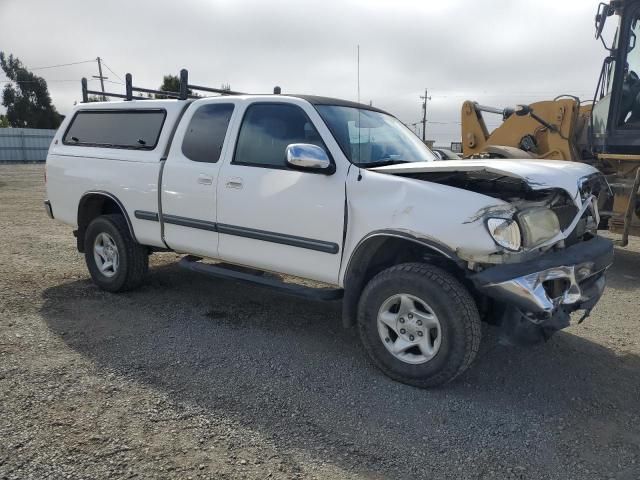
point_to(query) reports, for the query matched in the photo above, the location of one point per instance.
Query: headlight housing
(538, 225)
(505, 232)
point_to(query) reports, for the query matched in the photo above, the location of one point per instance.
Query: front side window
(266, 131)
(135, 129)
(369, 138)
(205, 134)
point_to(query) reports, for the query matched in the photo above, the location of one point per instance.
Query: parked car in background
(444, 153)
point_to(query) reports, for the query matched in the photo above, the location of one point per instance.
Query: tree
(27, 98)
(4, 122)
(171, 83)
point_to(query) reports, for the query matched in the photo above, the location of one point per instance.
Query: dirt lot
(196, 378)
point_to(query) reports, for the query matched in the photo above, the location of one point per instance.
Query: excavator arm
(549, 130)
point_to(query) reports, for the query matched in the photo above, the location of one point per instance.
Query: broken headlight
(505, 233)
(538, 225)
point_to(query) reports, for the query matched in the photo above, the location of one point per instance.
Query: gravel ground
(190, 377)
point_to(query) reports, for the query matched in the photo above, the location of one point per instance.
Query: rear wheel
(419, 324)
(115, 261)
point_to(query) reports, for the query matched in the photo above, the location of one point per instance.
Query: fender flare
(101, 193)
(354, 278)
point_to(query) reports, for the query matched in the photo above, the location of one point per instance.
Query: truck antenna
(358, 70)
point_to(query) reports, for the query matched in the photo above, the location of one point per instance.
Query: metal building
(24, 144)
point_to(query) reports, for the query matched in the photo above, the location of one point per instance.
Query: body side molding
(272, 237)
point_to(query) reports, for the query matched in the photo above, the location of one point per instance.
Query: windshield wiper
(383, 163)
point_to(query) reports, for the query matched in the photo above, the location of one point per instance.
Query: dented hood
(538, 174)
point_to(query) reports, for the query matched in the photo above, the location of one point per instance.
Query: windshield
(371, 138)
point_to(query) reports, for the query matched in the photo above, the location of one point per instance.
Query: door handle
(235, 182)
(205, 179)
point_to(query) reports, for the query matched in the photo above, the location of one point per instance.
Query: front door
(270, 216)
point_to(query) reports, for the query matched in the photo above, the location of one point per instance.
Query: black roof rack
(183, 94)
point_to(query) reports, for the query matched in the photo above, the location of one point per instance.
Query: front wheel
(419, 324)
(115, 261)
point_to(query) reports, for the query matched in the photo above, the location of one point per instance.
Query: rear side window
(206, 131)
(267, 130)
(138, 129)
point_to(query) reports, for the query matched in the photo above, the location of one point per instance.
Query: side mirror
(603, 12)
(305, 156)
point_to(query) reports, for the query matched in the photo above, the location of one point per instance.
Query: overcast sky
(498, 52)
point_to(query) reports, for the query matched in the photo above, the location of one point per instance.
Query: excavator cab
(614, 129)
(615, 116)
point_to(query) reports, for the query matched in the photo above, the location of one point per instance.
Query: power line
(6, 80)
(507, 94)
(34, 81)
(109, 68)
(62, 65)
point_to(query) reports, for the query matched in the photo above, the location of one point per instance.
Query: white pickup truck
(343, 194)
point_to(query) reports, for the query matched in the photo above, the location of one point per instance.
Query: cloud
(498, 52)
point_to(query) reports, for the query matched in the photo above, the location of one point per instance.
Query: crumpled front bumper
(544, 291)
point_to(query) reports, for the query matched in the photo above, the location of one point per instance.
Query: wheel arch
(382, 249)
(93, 204)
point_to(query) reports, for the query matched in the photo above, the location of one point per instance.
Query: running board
(235, 273)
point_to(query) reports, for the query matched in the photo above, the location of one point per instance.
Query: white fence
(24, 144)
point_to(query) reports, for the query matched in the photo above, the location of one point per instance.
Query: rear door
(190, 177)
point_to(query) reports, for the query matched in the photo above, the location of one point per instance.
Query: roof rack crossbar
(86, 92)
(221, 91)
(117, 95)
(186, 90)
(156, 92)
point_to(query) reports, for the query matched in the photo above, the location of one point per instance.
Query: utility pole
(424, 115)
(102, 79)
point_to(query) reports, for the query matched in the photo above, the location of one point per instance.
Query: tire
(131, 259)
(436, 310)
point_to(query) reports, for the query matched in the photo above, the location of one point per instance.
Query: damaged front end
(547, 260)
(557, 270)
(550, 276)
(536, 297)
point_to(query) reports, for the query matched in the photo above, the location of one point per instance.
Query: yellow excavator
(604, 132)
